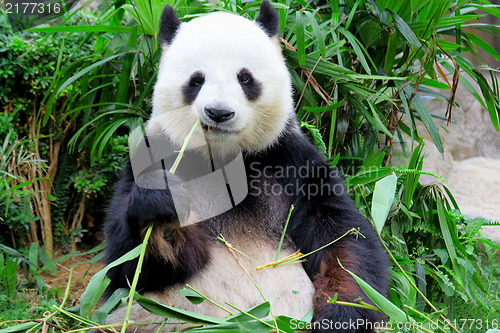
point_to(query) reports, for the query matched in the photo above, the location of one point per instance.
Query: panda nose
(219, 115)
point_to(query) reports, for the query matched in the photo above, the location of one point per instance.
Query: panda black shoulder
(292, 149)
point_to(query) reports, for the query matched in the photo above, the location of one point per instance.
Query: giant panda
(228, 72)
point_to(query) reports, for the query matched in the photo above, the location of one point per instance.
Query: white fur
(288, 288)
(220, 45)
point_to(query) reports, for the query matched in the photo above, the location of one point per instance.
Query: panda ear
(169, 24)
(268, 19)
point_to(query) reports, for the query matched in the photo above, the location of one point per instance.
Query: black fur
(169, 24)
(269, 19)
(251, 87)
(318, 218)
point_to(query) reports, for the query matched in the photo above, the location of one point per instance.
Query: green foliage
(21, 272)
(8, 275)
(26, 305)
(15, 159)
(28, 62)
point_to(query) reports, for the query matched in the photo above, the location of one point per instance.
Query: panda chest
(252, 234)
(233, 275)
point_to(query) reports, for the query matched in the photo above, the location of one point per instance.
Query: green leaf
(358, 50)
(10, 251)
(317, 138)
(369, 176)
(230, 327)
(482, 44)
(106, 135)
(174, 313)
(259, 311)
(300, 38)
(426, 118)
(377, 121)
(33, 257)
(383, 197)
(99, 282)
(191, 296)
(491, 100)
(126, 70)
(86, 70)
(319, 37)
(50, 197)
(380, 301)
(446, 232)
(330, 107)
(405, 30)
(411, 183)
(86, 28)
(390, 54)
(18, 328)
(100, 314)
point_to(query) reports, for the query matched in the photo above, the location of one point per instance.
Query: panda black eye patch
(251, 87)
(192, 87)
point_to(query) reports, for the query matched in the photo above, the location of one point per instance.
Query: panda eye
(197, 79)
(250, 86)
(244, 77)
(192, 87)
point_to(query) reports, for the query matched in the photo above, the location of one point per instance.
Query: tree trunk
(77, 221)
(43, 188)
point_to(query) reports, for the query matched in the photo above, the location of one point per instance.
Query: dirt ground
(82, 273)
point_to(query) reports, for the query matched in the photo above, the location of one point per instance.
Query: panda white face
(226, 71)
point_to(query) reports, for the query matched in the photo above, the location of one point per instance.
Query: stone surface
(475, 184)
(472, 134)
(471, 161)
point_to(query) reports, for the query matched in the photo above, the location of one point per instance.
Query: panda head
(228, 72)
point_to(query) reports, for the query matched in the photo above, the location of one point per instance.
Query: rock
(472, 134)
(471, 160)
(475, 184)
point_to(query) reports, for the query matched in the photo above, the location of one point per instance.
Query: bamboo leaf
(380, 301)
(446, 232)
(174, 313)
(259, 311)
(426, 118)
(358, 50)
(86, 28)
(365, 177)
(482, 44)
(316, 135)
(99, 282)
(405, 30)
(383, 197)
(109, 132)
(327, 108)
(390, 54)
(319, 37)
(191, 296)
(100, 314)
(87, 70)
(300, 38)
(19, 328)
(377, 121)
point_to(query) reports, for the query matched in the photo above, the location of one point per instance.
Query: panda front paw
(152, 200)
